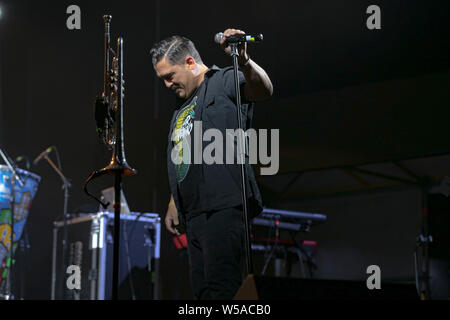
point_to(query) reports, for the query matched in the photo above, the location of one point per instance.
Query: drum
(23, 197)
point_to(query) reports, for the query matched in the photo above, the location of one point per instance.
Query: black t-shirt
(205, 187)
(189, 174)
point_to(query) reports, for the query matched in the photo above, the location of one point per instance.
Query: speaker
(278, 288)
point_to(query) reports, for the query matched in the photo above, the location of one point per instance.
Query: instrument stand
(117, 191)
(9, 264)
(242, 147)
(66, 186)
(275, 245)
(300, 251)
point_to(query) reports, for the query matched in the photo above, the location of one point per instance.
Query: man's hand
(171, 219)
(258, 86)
(242, 47)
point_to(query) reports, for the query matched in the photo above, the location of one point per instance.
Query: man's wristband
(246, 62)
(171, 202)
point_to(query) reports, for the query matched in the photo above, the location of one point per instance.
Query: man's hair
(175, 49)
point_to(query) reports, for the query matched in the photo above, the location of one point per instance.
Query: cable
(135, 222)
(94, 174)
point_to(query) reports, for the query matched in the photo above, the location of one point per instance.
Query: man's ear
(190, 63)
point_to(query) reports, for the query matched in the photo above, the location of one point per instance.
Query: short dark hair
(175, 49)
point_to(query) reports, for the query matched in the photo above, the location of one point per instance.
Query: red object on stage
(310, 243)
(180, 241)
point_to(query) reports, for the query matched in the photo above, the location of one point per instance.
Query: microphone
(238, 38)
(43, 154)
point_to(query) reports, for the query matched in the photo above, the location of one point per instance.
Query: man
(207, 197)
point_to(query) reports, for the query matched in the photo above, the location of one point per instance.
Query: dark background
(343, 95)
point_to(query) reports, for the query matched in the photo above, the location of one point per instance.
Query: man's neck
(201, 70)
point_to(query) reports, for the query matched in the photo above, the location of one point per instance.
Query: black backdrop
(50, 76)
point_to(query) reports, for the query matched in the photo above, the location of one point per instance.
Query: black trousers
(216, 253)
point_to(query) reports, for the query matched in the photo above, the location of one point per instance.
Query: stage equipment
(294, 222)
(289, 220)
(90, 243)
(432, 253)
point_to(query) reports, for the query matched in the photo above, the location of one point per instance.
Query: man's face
(177, 77)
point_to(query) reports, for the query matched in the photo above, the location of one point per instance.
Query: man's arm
(258, 86)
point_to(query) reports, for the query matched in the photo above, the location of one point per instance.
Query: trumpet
(104, 106)
(109, 107)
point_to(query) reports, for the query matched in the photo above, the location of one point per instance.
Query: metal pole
(241, 155)
(117, 188)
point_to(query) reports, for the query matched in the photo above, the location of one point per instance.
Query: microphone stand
(66, 186)
(12, 200)
(241, 151)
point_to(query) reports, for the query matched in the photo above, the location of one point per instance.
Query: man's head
(178, 63)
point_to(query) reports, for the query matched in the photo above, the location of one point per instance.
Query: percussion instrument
(23, 198)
